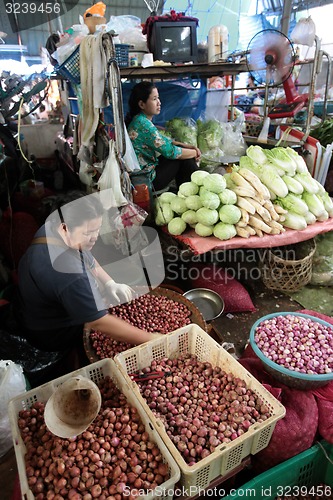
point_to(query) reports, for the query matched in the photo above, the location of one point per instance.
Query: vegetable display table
(199, 245)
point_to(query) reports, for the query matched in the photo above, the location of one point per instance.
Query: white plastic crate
(95, 372)
(191, 339)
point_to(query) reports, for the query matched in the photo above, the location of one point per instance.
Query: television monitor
(174, 42)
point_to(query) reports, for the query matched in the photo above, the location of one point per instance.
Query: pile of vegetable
(323, 132)
(297, 343)
(112, 457)
(269, 191)
(153, 313)
(201, 406)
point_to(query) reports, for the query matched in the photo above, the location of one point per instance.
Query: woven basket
(288, 274)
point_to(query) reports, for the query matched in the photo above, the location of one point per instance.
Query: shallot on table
(112, 460)
(201, 406)
(297, 343)
(153, 313)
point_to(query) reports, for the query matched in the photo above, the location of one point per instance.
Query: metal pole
(285, 19)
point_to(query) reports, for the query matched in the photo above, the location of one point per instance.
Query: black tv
(174, 42)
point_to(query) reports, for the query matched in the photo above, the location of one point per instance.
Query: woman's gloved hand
(118, 292)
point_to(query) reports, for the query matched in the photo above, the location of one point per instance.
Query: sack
(12, 383)
(304, 32)
(110, 183)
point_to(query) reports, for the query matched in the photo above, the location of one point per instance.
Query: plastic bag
(122, 228)
(304, 32)
(182, 130)
(233, 143)
(129, 30)
(130, 158)
(110, 183)
(12, 383)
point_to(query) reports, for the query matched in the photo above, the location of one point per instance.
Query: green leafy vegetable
(230, 214)
(176, 226)
(224, 231)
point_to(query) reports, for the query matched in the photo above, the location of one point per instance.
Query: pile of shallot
(111, 459)
(297, 343)
(153, 313)
(201, 406)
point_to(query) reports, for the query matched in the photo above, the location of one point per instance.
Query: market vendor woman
(62, 287)
(168, 159)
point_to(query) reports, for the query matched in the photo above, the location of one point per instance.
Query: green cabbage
(228, 197)
(164, 214)
(182, 130)
(193, 202)
(210, 200)
(210, 135)
(178, 205)
(188, 188)
(203, 230)
(327, 201)
(230, 214)
(281, 159)
(207, 216)
(301, 167)
(214, 183)
(224, 231)
(176, 226)
(294, 221)
(190, 217)
(166, 197)
(273, 181)
(198, 177)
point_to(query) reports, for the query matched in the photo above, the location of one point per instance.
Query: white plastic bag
(12, 383)
(110, 182)
(130, 158)
(304, 32)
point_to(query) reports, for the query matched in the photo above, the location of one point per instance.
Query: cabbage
(310, 218)
(294, 221)
(327, 201)
(166, 197)
(182, 130)
(314, 204)
(164, 214)
(301, 167)
(273, 181)
(180, 195)
(190, 217)
(246, 162)
(202, 230)
(230, 214)
(293, 185)
(281, 159)
(257, 154)
(228, 197)
(214, 183)
(210, 200)
(193, 202)
(188, 188)
(207, 216)
(309, 184)
(198, 177)
(176, 226)
(224, 231)
(178, 205)
(210, 135)
(294, 204)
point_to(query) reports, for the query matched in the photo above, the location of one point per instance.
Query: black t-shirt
(58, 293)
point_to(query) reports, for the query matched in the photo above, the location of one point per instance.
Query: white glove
(118, 292)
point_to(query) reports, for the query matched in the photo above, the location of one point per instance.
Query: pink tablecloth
(200, 245)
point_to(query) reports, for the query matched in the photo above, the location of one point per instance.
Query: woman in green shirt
(167, 159)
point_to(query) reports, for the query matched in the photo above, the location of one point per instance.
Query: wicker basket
(288, 269)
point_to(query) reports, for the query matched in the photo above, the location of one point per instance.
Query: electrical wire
(19, 135)
(325, 452)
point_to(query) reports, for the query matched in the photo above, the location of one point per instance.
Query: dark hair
(140, 92)
(87, 207)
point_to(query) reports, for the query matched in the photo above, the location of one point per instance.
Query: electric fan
(270, 61)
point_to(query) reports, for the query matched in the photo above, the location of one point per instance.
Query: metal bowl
(209, 303)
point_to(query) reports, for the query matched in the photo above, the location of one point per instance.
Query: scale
(270, 61)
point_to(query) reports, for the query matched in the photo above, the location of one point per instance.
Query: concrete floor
(8, 474)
